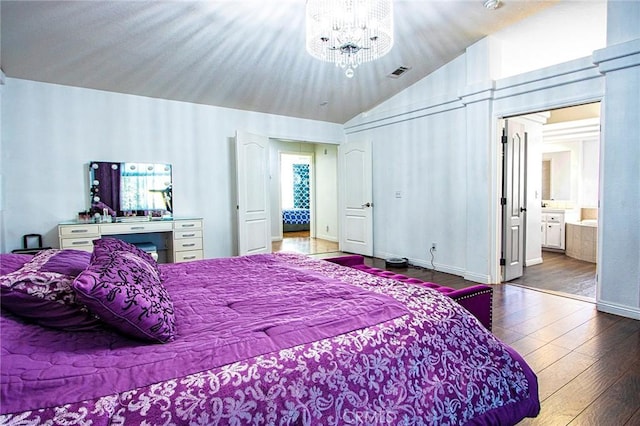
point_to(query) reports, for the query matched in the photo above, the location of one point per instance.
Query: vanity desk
(182, 237)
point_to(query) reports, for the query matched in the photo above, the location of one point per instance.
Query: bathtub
(582, 240)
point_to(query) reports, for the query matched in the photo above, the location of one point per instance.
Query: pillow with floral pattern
(41, 293)
(108, 245)
(126, 291)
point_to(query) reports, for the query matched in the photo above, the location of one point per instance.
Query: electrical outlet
(434, 246)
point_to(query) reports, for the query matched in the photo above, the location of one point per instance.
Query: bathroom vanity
(552, 228)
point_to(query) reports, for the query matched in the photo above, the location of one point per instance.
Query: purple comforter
(273, 339)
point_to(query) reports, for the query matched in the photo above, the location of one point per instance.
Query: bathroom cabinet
(552, 228)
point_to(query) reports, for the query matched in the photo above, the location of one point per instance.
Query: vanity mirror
(131, 189)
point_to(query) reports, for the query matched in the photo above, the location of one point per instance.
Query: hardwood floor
(561, 274)
(300, 242)
(587, 362)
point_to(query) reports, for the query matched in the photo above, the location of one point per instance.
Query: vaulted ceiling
(244, 54)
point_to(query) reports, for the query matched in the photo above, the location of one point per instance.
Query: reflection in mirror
(128, 189)
(556, 175)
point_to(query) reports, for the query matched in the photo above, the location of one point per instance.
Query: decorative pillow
(125, 290)
(67, 262)
(108, 245)
(42, 295)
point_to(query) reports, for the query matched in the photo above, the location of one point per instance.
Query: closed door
(356, 204)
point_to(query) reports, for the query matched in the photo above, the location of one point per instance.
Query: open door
(252, 168)
(514, 149)
(356, 193)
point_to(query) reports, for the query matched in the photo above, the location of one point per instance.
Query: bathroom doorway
(561, 212)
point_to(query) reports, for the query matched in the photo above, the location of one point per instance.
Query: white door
(252, 169)
(356, 203)
(514, 150)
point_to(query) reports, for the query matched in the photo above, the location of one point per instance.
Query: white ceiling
(244, 54)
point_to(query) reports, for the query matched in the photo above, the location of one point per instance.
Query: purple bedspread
(273, 339)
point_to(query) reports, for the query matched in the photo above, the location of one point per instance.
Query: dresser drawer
(135, 228)
(79, 231)
(555, 218)
(85, 244)
(187, 224)
(179, 235)
(188, 256)
(187, 244)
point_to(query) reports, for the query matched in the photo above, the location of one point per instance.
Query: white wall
(618, 232)
(571, 30)
(590, 174)
(51, 132)
(2, 242)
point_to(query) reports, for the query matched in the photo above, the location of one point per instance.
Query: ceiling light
(491, 4)
(349, 32)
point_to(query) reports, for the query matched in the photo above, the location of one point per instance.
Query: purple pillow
(108, 245)
(127, 293)
(67, 262)
(44, 296)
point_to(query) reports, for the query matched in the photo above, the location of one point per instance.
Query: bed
(295, 219)
(262, 339)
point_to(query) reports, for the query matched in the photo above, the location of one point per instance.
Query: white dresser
(183, 236)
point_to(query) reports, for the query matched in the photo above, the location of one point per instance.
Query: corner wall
(442, 147)
(619, 232)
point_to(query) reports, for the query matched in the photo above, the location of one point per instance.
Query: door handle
(523, 209)
(367, 205)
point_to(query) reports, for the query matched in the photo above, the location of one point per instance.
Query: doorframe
(312, 190)
(496, 172)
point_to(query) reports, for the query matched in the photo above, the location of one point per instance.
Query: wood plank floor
(300, 242)
(561, 274)
(587, 362)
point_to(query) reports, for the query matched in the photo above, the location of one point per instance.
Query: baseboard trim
(331, 238)
(621, 310)
(531, 262)
(477, 278)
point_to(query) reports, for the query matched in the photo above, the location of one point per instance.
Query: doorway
(304, 187)
(561, 209)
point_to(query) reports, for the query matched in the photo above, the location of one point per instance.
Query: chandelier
(349, 32)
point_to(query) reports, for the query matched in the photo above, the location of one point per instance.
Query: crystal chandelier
(349, 32)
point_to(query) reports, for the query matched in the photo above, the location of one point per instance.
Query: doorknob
(523, 209)
(367, 205)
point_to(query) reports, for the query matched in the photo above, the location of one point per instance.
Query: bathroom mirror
(131, 189)
(556, 175)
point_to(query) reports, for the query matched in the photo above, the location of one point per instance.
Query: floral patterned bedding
(403, 355)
